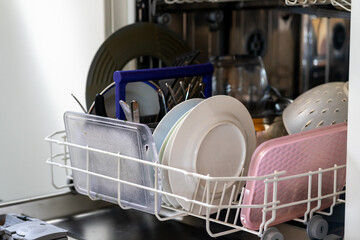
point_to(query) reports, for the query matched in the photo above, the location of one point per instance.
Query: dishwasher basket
(289, 178)
(266, 198)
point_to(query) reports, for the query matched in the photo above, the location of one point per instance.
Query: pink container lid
(298, 153)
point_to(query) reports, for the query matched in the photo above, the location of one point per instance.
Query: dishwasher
(202, 156)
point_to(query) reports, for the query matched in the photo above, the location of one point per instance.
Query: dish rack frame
(343, 4)
(224, 211)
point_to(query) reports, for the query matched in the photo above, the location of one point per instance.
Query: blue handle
(121, 78)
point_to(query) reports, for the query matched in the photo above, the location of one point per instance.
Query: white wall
(46, 47)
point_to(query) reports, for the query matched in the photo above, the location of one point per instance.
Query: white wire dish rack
(341, 4)
(210, 202)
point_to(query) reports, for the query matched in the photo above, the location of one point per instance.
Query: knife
(126, 109)
(135, 111)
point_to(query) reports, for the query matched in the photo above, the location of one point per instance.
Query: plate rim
(179, 109)
(244, 121)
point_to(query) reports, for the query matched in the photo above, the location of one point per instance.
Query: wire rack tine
(88, 176)
(274, 200)
(203, 195)
(119, 186)
(213, 194)
(239, 204)
(334, 197)
(319, 194)
(230, 201)
(53, 183)
(221, 201)
(265, 206)
(195, 194)
(308, 205)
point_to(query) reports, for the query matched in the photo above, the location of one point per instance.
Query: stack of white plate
(214, 137)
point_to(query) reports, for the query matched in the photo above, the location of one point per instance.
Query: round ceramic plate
(168, 121)
(170, 201)
(222, 190)
(217, 137)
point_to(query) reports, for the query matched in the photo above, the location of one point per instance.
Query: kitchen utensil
(295, 154)
(144, 93)
(122, 78)
(171, 93)
(162, 103)
(181, 83)
(323, 105)
(221, 144)
(185, 88)
(185, 58)
(100, 105)
(132, 41)
(187, 91)
(176, 88)
(135, 115)
(115, 136)
(243, 77)
(126, 109)
(77, 100)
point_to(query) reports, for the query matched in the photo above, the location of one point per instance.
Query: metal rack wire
(225, 213)
(197, 1)
(341, 4)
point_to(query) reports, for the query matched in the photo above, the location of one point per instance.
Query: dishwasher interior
(298, 49)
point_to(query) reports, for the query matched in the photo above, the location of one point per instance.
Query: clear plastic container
(118, 137)
(243, 77)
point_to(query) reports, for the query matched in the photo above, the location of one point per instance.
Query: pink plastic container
(298, 153)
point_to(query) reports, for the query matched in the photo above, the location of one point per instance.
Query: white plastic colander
(324, 105)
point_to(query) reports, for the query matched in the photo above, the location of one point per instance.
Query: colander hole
(343, 100)
(308, 123)
(333, 122)
(318, 100)
(337, 110)
(312, 111)
(329, 101)
(324, 110)
(339, 93)
(338, 88)
(320, 124)
(325, 92)
(301, 111)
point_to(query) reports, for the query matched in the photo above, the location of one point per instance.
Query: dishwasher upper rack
(342, 4)
(225, 214)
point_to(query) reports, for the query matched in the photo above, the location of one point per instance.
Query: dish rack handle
(122, 78)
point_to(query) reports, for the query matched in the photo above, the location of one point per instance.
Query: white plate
(143, 93)
(218, 138)
(170, 201)
(171, 118)
(222, 127)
